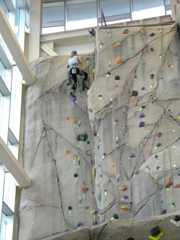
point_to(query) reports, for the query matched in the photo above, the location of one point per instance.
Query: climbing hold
(158, 168)
(143, 31)
(118, 44)
(124, 197)
(163, 211)
(158, 144)
(87, 60)
(105, 192)
(125, 208)
(88, 143)
(176, 218)
(93, 212)
(157, 177)
(151, 85)
(134, 93)
(153, 103)
(118, 60)
(169, 65)
(82, 137)
(98, 135)
(162, 202)
(67, 152)
(152, 50)
(101, 44)
(169, 110)
(147, 166)
(160, 54)
(152, 77)
(69, 208)
(97, 184)
(94, 172)
(68, 85)
(92, 32)
(131, 155)
(108, 73)
(173, 205)
(104, 155)
(131, 238)
(117, 179)
(115, 216)
(79, 224)
(99, 196)
(168, 184)
(74, 100)
(154, 231)
(88, 78)
(94, 70)
(123, 188)
(125, 32)
(87, 207)
(73, 122)
(159, 134)
(99, 96)
(67, 118)
(141, 124)
(152, 34)
(143, 88)
(177, 186)
(94, 151)
(84, 190)
(115, 121)
(117, 78)
(74, 158)
(156, 156)
(76, 177)
(113, 166)
(99, 215)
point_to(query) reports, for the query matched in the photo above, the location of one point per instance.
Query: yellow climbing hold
(113, 166)
(143, 31)
(118, 60)
(151, 85)
(74, 157)
(67, 152)
(125, 208)
(98, 135)
(73, 121)
(93, 212)
(66, 118)
(160, 54)
(117, 44)
(97, 184)
(94, 172)
(94, 70)
(88, 78)
(94, 151)
(99, 215)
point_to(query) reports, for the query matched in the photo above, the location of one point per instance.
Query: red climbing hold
(84, 190)
(159, 134)
(123, 188)
(168, 184)
(177, 186)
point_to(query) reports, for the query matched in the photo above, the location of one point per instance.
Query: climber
(74, 70)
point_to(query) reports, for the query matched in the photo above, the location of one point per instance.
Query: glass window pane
(53, 15)
(4, 7)
(147, 9)
(80, 14)
(15, 109)
(9, 191)
(3, 227)
(17, 21)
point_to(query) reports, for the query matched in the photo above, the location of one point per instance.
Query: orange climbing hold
(168, 184)
(84, 190)
(123, 188)
(177, 186)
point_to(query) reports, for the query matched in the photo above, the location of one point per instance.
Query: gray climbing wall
(146, 174)
(44, 205)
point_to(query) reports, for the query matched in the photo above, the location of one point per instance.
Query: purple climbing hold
(142, 88)
(67, 84)
(157, 167)
(141, 124)
(125, 197)
(74, 99)
(141, 115)
(79, 224)
(131, 155)
(100, 175)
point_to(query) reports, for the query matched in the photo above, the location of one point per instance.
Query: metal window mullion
(130, 8)
(97, 11)
(1, 194)
(164, 7)
(65, 15)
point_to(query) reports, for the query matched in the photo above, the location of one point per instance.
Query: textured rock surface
(123, 229)
(44, 206)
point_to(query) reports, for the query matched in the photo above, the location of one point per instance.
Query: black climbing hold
(134, 93)
(176, 218)
(88, 142)
(69, 208)
(152, 34)
(156, 156)
(95, 222)
(158, 145)
(75, 175)
(125, 32)
(72, 95)
(92, 32)
(117, 77)
(130, 238)
(151, 49)
(154, 231)
(92, 192)
(82, 137)
(87, 207)
(95, 134)
(108, 73)
(98, 146)
(152, 76)
(115, 216)
(143, 107)
(163, 211)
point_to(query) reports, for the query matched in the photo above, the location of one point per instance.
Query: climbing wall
(136, 121)
(51, 153)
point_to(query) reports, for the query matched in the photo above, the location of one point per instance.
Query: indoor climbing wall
(57, 153)
(135, 120)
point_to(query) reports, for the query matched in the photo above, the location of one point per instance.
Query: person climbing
(73, 64)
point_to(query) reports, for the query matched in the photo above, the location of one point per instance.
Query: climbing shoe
(72, 95)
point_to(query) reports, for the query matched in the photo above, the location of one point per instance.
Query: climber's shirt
(74, 61)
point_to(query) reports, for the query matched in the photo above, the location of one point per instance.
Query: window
(114, 10)
(146, 9)
(17, 21)
(3, 227)
(53, 17)
(4, 7)
(9, 191)
(81, 14)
